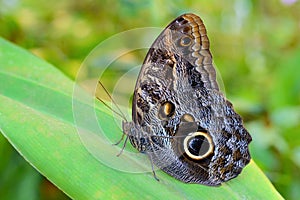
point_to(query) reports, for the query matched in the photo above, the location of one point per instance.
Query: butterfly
(180, 118)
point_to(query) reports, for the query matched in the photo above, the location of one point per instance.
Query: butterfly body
(180, 118)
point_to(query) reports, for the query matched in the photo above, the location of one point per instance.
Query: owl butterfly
(180, 119)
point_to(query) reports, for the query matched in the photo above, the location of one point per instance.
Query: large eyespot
(185, 41)
(198, 145)
(166, 110)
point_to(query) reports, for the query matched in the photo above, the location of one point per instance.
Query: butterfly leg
(152, 167)
(124, 145)
(117, 143)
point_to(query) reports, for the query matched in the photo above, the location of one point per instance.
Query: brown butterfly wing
(178, 110)
(188, 27)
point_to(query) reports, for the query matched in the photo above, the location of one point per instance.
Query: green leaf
(39, 118)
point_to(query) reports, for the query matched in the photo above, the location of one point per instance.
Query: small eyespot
(198, 145)
(185, 41)
(166, 110)
(187, 118)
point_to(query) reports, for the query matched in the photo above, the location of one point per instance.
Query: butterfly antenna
(120, 113)
(105, 104)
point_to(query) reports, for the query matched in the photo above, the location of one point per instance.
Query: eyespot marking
(198, 145)
(166, 110)
(185, 41)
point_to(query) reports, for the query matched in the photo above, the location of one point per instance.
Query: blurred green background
(256, 48)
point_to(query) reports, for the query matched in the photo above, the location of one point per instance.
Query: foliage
(46, 132)
(255, 46)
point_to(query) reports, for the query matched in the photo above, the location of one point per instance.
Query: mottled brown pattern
(177, 94)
